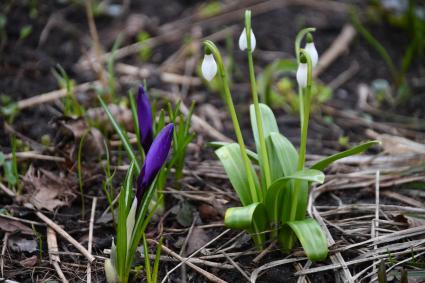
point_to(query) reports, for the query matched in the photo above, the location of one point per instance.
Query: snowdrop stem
(305, 102)
(305, 96)
(263, 149)
(229, 101)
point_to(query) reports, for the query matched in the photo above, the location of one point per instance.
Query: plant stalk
(229, 101)
(264, 156)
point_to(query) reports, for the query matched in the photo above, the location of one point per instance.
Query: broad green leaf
(278, 195)
(269, 126)
(322, 164)
(267, 118)
(122, 134)
(283, 156)
(252, 155)
(9, 173)
(252, 218)
(311, 238)
(230, 157)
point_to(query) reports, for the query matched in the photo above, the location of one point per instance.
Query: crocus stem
(265, 158)
(229, 101)
(305, 95)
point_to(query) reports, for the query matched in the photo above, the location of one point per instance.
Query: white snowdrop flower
(302, 74)
(311, 50)
(243, 44)
(209, 67)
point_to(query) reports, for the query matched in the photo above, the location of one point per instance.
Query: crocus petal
(155, 158)
(312, 52)
(144, 116)
(302, 74)
(209, 67)
(243, 43)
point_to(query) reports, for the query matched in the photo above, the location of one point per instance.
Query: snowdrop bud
(311, 50)
(209, 66)
(302, 72)
(243, 44)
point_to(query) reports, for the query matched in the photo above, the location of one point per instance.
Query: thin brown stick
(54, 258)
(53, 95)
(207, 275)
(3, 252)
(90, 244)
(95, 37)
(8, 191)
(338, 47)
(66, 236)
(35, 155)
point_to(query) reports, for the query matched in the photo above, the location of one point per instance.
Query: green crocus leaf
(311, 237)
(230, 157)
(322, 164)
(283, 156)
(252, 218)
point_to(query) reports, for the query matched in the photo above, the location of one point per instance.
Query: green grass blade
(156, 262)
(230, 157)
(122, 134)
(147, 261)
(311, 237)
(252, 218)
(322, 164)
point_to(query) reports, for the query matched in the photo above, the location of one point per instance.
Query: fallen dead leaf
(47, 190)
(29, 262)
(70, 133)
(18, 244)
(197, 239)
(13, 226)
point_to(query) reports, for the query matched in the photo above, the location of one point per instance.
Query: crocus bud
(209, 66)
(111, 274)
(311, 50)
(302, 72)
(243, 43)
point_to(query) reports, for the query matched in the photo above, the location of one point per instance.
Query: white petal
(131, 220)
(243, 41)
(302, 74)
(209, 67)
(311, 50)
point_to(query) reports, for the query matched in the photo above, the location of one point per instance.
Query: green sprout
(277, 200)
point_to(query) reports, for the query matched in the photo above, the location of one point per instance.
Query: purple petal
(144, 116)
(155, 158)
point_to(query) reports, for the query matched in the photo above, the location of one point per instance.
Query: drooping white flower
(209, 67)
(243, 43)
(302, 74)
(310, 48)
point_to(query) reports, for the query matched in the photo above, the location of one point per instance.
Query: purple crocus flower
(154, 160)
(144, 116)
